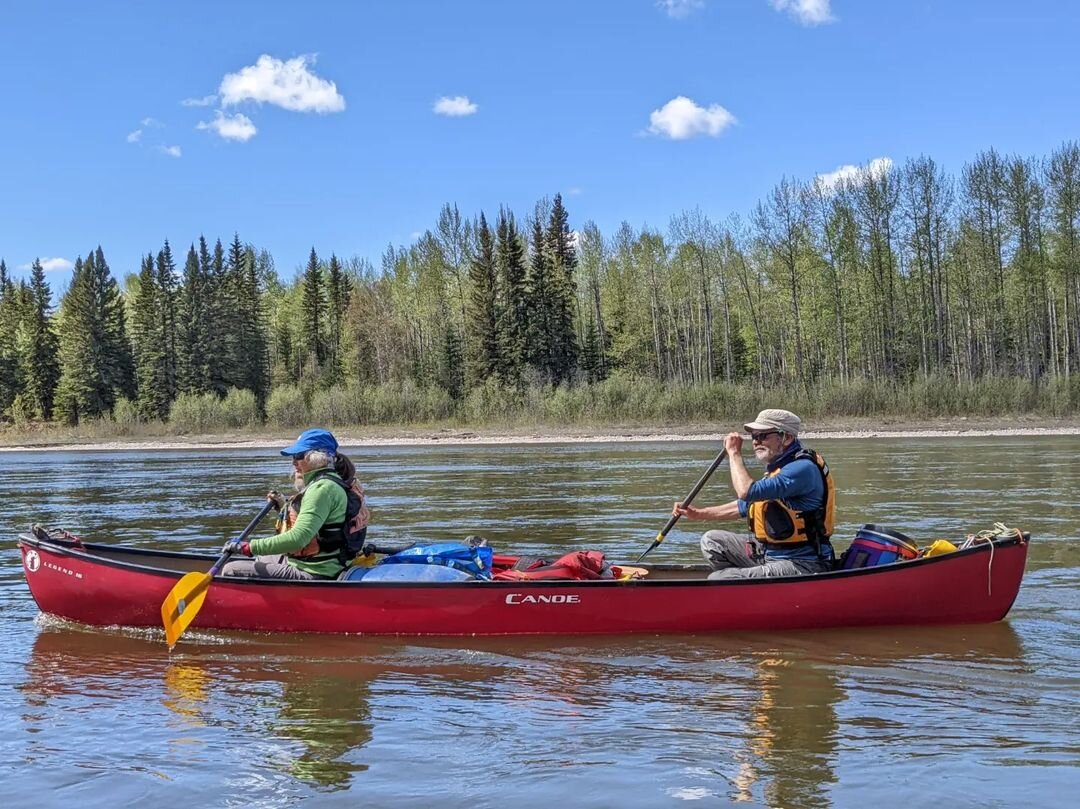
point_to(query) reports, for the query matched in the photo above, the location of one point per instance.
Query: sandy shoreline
(848, 429)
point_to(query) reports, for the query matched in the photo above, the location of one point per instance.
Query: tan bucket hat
(782, 420)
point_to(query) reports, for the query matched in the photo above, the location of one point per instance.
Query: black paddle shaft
(243, 535)
(694, 491)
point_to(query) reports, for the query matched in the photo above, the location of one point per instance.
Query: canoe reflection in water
(787, 748)
(258, 689)
(327, 714)
(767, 719)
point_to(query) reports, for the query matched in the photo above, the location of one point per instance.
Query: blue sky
(346, 125)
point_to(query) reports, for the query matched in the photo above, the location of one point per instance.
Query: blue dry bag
(456, 555)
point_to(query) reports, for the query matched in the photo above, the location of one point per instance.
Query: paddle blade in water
(182, 604)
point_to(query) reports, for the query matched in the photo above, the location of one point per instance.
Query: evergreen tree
(313, 305)
(452, 376)
(9, 321)
(483, 307)
(514, 303)
(96, 366)
(338, 291)
(564, 347)
(194, 327)
(151, 364)
(222, 340)
(541, 290)
(39, 368)
(165, 278)
(251, 331)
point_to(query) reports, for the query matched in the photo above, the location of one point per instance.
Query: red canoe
(108, 585)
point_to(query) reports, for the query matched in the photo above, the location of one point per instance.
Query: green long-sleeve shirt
(324, 502)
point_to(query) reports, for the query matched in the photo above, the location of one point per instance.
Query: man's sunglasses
(299, 457)
(763, 436)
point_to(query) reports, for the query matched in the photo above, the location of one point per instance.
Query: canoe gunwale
(99, 554)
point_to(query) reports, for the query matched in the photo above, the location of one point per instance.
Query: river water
(959, 716)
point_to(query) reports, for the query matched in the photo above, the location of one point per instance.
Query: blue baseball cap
(313, 439)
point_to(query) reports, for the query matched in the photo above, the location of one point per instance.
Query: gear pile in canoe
(579, 593)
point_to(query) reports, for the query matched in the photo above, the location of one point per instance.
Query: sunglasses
(764, 435)
(299, 457)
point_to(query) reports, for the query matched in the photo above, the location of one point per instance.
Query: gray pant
(266, 567)
(741, 556)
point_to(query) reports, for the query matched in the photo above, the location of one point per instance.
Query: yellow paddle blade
(182, 604)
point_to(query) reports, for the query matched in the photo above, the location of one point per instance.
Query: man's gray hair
(319, 459)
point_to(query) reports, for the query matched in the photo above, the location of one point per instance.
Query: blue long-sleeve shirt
(798, 485)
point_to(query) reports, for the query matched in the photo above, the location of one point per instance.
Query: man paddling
(789, 511)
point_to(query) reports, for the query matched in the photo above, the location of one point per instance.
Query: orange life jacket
(775, 523)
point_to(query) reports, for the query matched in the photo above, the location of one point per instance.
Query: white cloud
(50, 264)
(230, 127)
(205, 101)
(832, 180)
(574, 191)
(171, 151)
(679, 9)
(808, 12)
(681, 118)
(455, 107)
(152, 123)
(134, 137)
(287, 84)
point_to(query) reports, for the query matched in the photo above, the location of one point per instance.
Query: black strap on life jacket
(332, 536)
(814, 521)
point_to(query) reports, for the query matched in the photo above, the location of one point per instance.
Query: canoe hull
(105, 586)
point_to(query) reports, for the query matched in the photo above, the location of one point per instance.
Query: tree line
(889, 276)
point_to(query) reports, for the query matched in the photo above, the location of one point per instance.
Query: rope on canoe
(1000, 529)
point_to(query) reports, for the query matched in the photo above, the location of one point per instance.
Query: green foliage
(240, 409)
(482, 310)
(125, 414)
(95, 357)
(340, 405)
(287, 407)
(194, 413)
(492, 401)
(9, 324)
(900, 290)
(193, 359)
(148, 337)
(206, 412)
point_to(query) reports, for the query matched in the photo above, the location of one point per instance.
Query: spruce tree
(313, 304)
(193, 327)
(165, 277)
(96, 366)
(251, 331)
(39, 366)
(541, 290)
(483, 307)
(564, 293)
(222, 339)
(150, 359)
(233, 296)
(338, 291)
(9, 322)
(514, 304)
